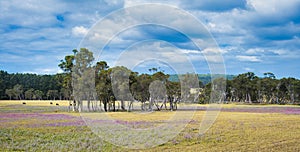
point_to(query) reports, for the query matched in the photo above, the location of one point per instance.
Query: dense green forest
(204, 78)
(28, 86)
(246, 87)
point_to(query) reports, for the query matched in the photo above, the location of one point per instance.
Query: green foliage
(27, 81)
(204, 78)
(38, 94)
(249, 88)
(29, 94)
(52, 94)
(79, 69)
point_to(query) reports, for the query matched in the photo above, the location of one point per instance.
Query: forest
(243, 88)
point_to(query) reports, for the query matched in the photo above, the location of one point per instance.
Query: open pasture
(39, 126)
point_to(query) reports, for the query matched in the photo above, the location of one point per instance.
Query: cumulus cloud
(249, 32)
(155, 51)
(79, 31)
(274, 7)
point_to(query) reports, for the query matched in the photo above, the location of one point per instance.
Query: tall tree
(52, 94)
(67, 65)
(10, 93)
(83, 76)
(120, 84)
(29, 94)
(38, 94)
(18, 91)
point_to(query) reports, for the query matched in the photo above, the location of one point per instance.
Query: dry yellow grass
(232, 131)
(35, 102)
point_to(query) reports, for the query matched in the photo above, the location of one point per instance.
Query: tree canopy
(85, 79)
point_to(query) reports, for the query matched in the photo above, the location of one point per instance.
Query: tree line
(249, 88)
(30, 86)
(84, 81)
(101, 85)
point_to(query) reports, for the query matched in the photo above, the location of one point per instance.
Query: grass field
(39, 126)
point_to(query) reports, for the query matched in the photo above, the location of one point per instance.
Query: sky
(251, 35)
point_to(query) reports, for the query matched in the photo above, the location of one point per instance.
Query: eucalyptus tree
(18, 91)
(38, 94)
(120, 84)
(287, 90)
(140, 89)
(173, 94)
(83, 77)
(244, 85)
(29, 94)
(52, 94)
(10, 93)
(158, 90)
(268, 85)
(158, 94)
(218, 92)
(103, 84)
(67, 65)
(187, 83)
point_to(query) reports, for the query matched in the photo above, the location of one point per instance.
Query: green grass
(30, 128)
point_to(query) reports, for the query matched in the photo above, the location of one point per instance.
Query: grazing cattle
(51, 103)
(57, 104)
(24, 102)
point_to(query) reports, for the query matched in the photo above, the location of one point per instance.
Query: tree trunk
(122, 105)
(100, 106)
(130, 106)
(79, 106)
(114, 105)
(249, 98)
(150, 104)
(89, 105)
(171, 103)
(105, 106)
(74, 105)
(157, 106)
(292, 98)
(143, 106)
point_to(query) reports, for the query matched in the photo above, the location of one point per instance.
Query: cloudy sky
(252, 35)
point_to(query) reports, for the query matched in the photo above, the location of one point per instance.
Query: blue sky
(253, 35)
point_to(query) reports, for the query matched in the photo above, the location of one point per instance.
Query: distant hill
(205, 78)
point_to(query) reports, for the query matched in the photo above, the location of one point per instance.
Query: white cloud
(253, 51)
(280, 52)
(220, 27)
(213, 55)
(273, 52)
(44, 71)
(79, 31)
(186, 51)
(155, 51)
(274, 7)
(216, 51)
(265, 29)
(128, 3)
(50, 70)
(248, 69)
(248, 58)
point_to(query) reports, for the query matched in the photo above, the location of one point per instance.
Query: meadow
(39, 126)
